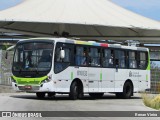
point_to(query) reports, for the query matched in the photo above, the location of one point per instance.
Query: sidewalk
(6, 89)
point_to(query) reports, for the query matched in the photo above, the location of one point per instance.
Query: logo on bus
(82, 73)
(134, 74)
(130, 74)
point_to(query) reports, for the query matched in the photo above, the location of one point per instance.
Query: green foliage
(151, 101)
(4, 47)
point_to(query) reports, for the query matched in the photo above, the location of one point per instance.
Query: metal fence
(5, 67)
(155, 81)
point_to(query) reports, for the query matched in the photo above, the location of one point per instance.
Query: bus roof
(91, 43)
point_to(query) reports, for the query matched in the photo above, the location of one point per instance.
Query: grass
(151, 101)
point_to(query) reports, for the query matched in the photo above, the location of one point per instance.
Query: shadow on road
(66, 97)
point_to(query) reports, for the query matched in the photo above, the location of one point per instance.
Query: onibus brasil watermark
(21, 114)
(31, 114)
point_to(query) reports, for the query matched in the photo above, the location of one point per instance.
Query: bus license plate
(28, 87)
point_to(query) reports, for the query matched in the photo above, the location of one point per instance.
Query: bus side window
(57, 55)
(107, 58)
(132, 59)
(81, 56)
(120, 57)
(94, 56)
(143, 60)
(61, 64)
(67, 55)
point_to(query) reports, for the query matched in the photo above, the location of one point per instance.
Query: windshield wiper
(20, 70)
(37, 72)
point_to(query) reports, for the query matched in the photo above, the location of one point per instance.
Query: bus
(50, 66)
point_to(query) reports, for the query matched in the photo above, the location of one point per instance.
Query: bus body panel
(108, 80)
(63, 80)
(94, 79)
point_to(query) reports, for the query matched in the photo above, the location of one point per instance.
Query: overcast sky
(147, 8)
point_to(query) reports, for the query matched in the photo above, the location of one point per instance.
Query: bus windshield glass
(33, 57)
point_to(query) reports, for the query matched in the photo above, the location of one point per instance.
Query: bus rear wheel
(96, 95)
(40, 95)
(127, 91)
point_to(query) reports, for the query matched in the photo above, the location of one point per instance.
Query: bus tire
(40, 95)
(119, 95)
(96, 95)
(127, 90)
(73, 91)
(51, 94)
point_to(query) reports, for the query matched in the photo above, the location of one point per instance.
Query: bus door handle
(76, 67)
(91, 81)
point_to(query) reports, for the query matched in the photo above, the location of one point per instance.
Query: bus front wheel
(40, 95)
(74, 91)
(51, 94)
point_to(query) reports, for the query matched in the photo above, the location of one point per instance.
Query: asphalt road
(29, 102)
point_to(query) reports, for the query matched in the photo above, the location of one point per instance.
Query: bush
(150, 101)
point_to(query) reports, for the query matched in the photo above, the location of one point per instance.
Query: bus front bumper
(45, 87)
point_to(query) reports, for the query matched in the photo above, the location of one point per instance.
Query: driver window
(61, 64)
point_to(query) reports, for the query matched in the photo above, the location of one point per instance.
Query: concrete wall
(5, 67)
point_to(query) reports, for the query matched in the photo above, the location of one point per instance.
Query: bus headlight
(46, 81)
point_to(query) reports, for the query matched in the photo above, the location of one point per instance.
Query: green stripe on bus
(101, 76)
(146, 77)
(149, 66)
(71, 75)
(29, 81)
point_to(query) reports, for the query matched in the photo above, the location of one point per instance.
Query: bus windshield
(32, 57)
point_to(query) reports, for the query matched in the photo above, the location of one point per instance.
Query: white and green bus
(65, 66)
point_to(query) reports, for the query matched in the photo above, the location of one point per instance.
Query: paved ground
(11, 101)
(29, 102)
(6, 89)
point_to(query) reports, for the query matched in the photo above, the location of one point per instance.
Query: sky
(147, 8)
(8, 3)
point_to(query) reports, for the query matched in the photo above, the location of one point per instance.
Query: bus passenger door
(120, 69)
(143, 74)
(94, 70)
(120, 78)
(108, 78)
(107, 72)
(94, 79)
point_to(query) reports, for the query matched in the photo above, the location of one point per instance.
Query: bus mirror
(62, 54)
(8, 49)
